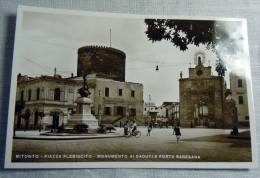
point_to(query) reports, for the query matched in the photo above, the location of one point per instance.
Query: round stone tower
(105, 62)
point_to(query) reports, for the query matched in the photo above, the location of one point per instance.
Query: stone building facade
(238, 87)
(168, 113)
(202, 99)
(148, 107)
(52, 95)
(113, 98)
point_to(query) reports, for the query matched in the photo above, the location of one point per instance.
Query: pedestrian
(149, 129)
(126, 126)
(177, 133)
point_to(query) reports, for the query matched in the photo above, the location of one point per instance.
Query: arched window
(22, 93)
(38, 94)
(57, 94)
(36, 115)
(29, 95)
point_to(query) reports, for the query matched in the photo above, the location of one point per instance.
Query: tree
(220, 68)
(222, 38)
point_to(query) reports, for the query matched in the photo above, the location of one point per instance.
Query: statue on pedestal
(83, 110)
(84, 91)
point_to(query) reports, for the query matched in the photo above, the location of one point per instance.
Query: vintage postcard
(92, 90)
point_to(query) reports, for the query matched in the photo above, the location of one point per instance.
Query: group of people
(176, 129)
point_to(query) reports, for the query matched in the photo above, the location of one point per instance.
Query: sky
(49, 40)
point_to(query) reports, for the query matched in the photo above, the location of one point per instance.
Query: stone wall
(106, 62)
(195, 92)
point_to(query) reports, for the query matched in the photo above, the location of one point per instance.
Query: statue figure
(84, 91)
(199, 60)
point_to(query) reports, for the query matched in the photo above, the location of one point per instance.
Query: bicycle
(136, 133)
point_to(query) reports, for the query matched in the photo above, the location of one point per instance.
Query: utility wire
(59, 45)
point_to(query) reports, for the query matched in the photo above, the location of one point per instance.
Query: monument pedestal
(83, 115)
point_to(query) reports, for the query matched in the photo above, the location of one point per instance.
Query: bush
(48, 127)
(81, 128)
(102, 129)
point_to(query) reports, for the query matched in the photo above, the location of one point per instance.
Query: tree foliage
(218, 36)
(220, 67)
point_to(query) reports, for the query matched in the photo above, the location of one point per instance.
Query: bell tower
(199, 71)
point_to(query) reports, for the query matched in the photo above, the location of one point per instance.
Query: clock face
(199, 72)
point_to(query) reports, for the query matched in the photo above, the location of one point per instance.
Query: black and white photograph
(108, 90)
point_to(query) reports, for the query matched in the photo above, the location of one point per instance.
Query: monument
(83, 111)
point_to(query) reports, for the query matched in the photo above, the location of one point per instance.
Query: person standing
(126, 126)
(177, 133)
(149, 129)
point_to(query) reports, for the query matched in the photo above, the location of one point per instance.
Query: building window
(246, 117)
(38, 94)
(132, 112)
(239, 83)
(22, 93)
(107, 92)
(120, 92)
(107, 111)
(29, 95)
(57, 94)
(120, 110)
(240, 100)
(133, 93)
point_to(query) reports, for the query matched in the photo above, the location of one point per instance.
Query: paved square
(196, 145)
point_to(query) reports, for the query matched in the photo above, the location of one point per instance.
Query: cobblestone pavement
(196, 145)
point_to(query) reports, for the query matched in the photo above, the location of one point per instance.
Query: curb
(67, 137)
